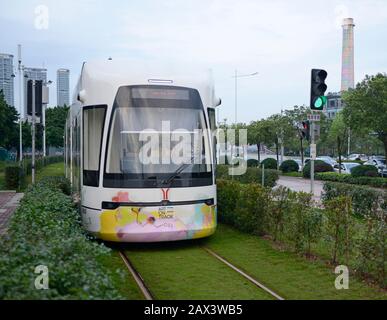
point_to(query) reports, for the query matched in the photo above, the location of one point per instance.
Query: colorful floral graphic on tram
(146, 224)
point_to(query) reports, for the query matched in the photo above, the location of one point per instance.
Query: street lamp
(45, 85)
(236, 76)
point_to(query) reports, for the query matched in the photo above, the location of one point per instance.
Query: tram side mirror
(218, 102)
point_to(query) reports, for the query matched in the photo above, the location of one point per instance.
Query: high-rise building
(32, 74)
(63, 87)
(6, 77)
(347, 69)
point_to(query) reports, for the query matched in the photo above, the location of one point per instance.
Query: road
(301, 184)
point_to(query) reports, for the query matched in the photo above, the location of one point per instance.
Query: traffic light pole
(33, 133)
(312, 159)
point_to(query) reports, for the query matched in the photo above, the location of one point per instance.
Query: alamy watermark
(42, 280)
(342, 280)
(182, 146)
(42, 17)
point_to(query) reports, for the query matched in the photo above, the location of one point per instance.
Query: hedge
(289, 166)
(365, 200)
(46, 230)
(364, 171)
(252, 163)
(291, 217)
(319, 166)
(15, 174)
(14, 177)
(252, 175)
(270, 163)
(376, 182)
(242, 205)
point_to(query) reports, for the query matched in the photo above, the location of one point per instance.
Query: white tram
(128, 194)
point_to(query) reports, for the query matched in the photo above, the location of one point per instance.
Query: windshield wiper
(176, 173)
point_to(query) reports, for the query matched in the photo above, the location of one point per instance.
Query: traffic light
(38, 97)
(317, 89)
(305, 130)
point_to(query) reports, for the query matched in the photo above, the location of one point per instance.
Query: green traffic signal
(320, 102)
(317, 89)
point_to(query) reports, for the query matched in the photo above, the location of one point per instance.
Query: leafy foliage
(289, 166)
(252, 175)
(376, 182)
(319, 166)
(9, 134)
(269, 163)
(364, 171)
(366, 107)
(364, 200)
(14, 177)
(55, 123)
(339, 224)
(46, 230)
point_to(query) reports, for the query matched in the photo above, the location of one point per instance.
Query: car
(299, 162)
(380, 163)
(328, 160)
(346, 167)
(357, 157)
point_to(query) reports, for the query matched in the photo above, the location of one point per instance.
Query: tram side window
(212, 119)
(93, 124)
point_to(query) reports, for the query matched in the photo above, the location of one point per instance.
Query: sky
(281, 40)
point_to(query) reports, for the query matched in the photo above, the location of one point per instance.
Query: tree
(338, 133)
(366, 107)
(9, 134)
(55, 125)
(256, 135)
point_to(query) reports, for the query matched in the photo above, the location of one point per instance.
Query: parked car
(328, 160)
(346, 167)
(357, 157)
(380, 163)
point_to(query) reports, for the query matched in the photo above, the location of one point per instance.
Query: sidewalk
(301, 184)
(9, 201)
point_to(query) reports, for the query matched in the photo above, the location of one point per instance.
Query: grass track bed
(289, 275)
(185, 271)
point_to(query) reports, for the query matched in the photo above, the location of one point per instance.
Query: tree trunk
(302, 154)
(259, 152)
(339, 151)
(277, 152)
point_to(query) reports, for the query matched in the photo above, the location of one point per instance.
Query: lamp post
(236, 76)
(45, 102)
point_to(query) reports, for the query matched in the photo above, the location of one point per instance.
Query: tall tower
(347, 68)
(6, 77)
(63, 87)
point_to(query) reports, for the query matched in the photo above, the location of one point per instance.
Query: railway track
(149, 296)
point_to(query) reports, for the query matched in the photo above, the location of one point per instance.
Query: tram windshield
(154, 132)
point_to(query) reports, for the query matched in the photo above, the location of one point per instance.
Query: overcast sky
(282, 40)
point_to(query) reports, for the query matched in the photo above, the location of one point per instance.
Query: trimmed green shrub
(252, 163)
(251, 209)
(364, 171)
(364, 200)
(228, 192)
(242, 205)
(14, 177)
(319, 166)
(270, 163)
(46, 230)
(339, 226)
(289, 166)
(372, 245)
(252, 175)
(377, 182)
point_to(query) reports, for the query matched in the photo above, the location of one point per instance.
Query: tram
(125, 134)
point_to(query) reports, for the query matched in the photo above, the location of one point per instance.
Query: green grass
(122, 279)
(288, 274)
(183, 270)
(292, 174)
(51, 170)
